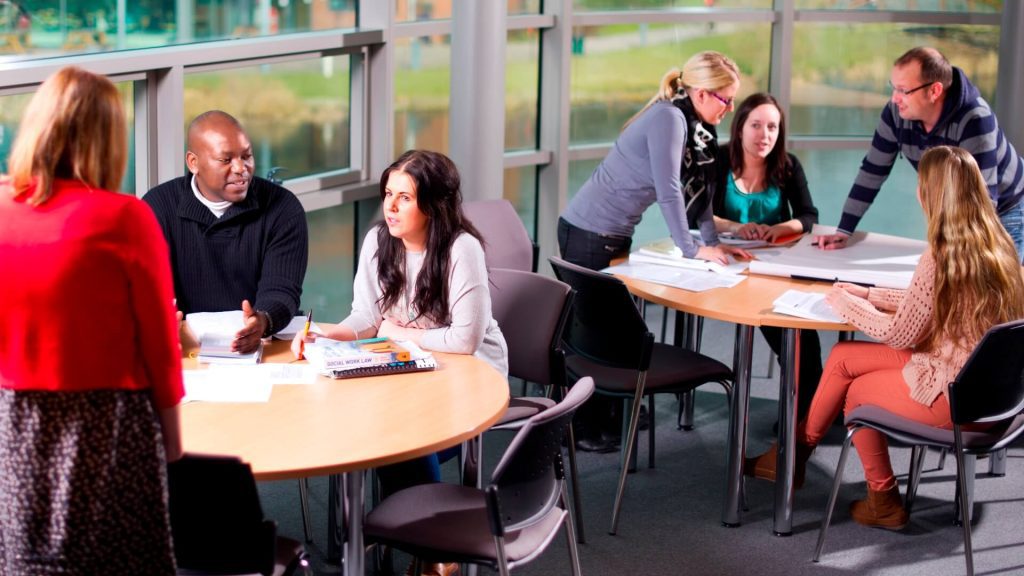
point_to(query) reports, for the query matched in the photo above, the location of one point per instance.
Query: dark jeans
(599, 414)
(590, 249)
(810, 364)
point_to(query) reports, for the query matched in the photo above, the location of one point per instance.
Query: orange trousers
(859, 373)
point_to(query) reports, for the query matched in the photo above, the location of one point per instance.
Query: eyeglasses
(903, 92)
(725, 101)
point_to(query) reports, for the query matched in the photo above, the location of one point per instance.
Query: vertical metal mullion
(781, 77)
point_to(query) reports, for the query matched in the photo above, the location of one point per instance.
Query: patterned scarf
(698, 173)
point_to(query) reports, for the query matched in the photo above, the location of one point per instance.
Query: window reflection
(42, 28)
(522, 77)
(616, 69)
(295, 113)
(12, 108)
(422, 93)
(520, 188)
(841, 91)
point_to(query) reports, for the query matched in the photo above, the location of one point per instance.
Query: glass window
(332, 262)
(604, 5)
(40, 28)
(12, 108)
(616, 69)
(411, 10)
(841, 91)
(923, 5)
(422, 93)
(523, 6)
(830, 173)
(295, 113)
(520, 188)
(522, 74)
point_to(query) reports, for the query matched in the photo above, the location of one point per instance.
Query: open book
(809, 305)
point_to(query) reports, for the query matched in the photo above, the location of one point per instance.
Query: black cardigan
(797, 198)
(256, 251)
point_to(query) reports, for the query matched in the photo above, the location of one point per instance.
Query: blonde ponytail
(708, 70)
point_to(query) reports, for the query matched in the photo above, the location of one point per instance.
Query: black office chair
(988, 391)
(609, 340)
(218, 525)
(503, 526)
(531, 310)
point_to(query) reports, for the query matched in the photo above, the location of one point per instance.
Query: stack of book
(216, 349)
(368, 357)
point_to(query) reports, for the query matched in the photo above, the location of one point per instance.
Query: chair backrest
(990, 386)
(605, 325)
(526, 483)
(216, 519)
(506, 242)
(531, 310)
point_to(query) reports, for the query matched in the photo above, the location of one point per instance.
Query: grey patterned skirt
(83, 484)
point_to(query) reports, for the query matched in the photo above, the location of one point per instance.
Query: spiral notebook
(420, 365)
(420, 361)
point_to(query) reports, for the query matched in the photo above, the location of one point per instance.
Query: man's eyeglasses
(726, 101)
(903, 92)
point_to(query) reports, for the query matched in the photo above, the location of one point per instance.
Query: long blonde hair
(708, 70)
(73, 127)
(977, 272)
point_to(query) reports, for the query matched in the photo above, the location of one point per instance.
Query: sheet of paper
(734, 267)
(869, 258)
(296, 325)
(225, 384)
(687, 279)
(810, 305)
(223, 323)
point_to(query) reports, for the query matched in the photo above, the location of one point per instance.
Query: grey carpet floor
(670, 523)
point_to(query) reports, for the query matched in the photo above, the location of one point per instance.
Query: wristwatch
(266, 319)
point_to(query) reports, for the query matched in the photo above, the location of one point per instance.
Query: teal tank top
(762, 207)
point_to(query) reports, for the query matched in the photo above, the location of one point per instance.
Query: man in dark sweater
(236, 240)
(933, 103)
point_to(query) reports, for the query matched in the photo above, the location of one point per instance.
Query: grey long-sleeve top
(642, 167)
(472, 330)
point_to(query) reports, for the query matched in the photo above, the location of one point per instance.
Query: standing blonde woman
(666, 153)
(967, 281)
(90, 368)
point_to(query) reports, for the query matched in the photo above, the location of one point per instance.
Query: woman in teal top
(763, 195)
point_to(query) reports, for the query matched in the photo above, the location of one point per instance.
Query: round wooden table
(347, 426)
(749, 305)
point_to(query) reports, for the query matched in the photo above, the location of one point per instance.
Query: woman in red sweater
(967, 281)
(90, 367)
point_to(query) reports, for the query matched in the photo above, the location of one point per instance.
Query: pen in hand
(305, 330)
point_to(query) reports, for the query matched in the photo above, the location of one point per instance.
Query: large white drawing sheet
(869, 258)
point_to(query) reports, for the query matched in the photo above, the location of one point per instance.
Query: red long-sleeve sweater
(86, 296)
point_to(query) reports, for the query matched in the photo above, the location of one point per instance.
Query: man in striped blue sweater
(933, 104)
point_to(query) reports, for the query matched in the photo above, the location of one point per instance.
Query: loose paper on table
(869, 258)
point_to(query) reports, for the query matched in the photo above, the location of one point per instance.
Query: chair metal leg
(627, 408)
(968, 462)
(964, 476)
(686, 411)
(577, 505)
(831, 506)
(570, 536)
(997, 463)
(628, 443)
(942, 459)
(772, 359)
(664, 322)
(307, 525)
(650, 431)
(917, 455)
(472, 456)
(500, 556)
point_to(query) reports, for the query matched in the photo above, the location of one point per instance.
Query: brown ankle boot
(763, 466)
(881, 510)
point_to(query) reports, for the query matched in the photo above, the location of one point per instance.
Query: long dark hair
(439, 197)
(777, 163)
